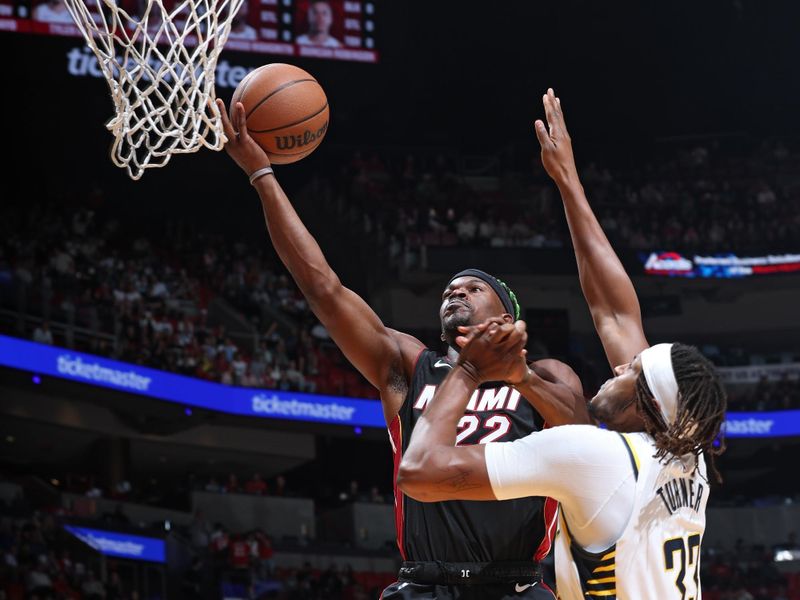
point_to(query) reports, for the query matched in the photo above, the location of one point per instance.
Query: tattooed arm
(433, 467)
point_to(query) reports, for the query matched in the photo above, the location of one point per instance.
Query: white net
(159, 60)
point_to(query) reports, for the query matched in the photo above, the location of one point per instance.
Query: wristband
(257, 174)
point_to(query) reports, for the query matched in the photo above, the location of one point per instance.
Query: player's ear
(507, 318)
(441, 337)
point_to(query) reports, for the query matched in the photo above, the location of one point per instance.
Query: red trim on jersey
(550, 511)
(547, 587)
(416, 361)
(396, 435)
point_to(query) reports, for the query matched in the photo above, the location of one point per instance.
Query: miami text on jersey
(499, 399)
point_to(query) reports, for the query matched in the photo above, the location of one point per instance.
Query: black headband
(507, 297)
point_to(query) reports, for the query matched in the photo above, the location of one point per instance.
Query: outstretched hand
(557, 156)
(494, 351)
(242, 148)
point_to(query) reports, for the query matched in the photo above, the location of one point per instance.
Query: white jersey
(658, 554)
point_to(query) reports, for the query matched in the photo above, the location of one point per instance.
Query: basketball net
(160, 67)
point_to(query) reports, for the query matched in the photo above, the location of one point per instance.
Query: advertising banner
(188, 391)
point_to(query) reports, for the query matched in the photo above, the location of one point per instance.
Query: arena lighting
(272, 404)
(787, 555)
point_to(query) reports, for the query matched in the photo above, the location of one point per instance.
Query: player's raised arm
(384, 356)
(607, 287)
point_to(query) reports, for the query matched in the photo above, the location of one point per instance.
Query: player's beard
(608, 411)
(452, 322)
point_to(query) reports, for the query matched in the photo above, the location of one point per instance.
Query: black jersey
(470, 531)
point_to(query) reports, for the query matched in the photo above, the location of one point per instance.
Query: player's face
(468, 301)
(615, 402)
(320, 16)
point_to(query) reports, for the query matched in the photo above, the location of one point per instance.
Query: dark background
(463, 75)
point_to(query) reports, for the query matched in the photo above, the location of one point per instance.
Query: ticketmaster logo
(272, 405)
(104, 544)
(748, 426)
(75, 367)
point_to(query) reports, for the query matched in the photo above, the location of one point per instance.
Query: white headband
(657, 369)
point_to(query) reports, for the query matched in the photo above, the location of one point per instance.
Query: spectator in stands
(218, 548)
(352, 493)
(279, 489)
(232, 485)
(256, 485)
(114, 587)
(92, 587)
(38, 582)
(264, 554)
(42, 334)
(376, 496)
(239, 552)
(199, 530)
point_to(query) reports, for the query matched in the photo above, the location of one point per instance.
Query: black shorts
(403, 590)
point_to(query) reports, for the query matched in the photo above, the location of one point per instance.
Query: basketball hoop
(160, 68)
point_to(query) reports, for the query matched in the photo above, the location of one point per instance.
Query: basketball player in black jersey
(447, 546)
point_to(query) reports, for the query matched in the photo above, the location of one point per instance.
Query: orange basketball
(287, 111)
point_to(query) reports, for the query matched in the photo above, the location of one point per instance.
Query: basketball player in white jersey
(633, 496)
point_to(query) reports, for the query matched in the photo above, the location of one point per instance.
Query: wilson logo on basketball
(287, 142)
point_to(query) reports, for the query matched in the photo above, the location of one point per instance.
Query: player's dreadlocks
(701, 408)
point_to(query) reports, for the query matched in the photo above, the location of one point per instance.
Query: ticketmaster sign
(188, 391)
(336, 410)
(780, 423)
(121, 545)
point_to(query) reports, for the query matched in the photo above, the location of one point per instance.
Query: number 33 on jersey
(658, 553)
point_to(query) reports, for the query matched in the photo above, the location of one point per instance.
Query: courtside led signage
(188, 391)
(728, 265)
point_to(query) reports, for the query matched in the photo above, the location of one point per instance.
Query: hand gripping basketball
(240, 146)
(287, 111)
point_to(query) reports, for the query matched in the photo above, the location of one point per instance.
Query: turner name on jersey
(681, 492)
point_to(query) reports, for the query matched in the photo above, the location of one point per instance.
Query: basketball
(287, 111)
